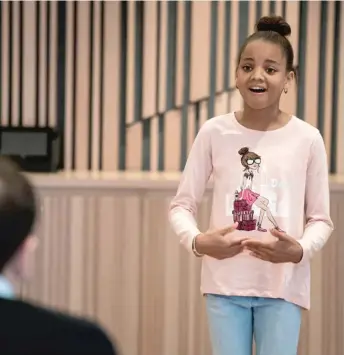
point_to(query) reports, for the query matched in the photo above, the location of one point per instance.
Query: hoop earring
(285, 90)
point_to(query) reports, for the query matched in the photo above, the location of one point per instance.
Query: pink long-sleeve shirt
(283, 180)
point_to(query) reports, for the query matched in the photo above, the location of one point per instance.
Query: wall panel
(107, 251)
(97, 70)
(340, 141)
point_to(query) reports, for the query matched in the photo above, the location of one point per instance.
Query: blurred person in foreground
(26, 328)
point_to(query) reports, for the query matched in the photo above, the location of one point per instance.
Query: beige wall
(82, 121)
(107, 251)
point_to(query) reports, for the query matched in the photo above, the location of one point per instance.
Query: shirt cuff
(188, 237)
(306, 254)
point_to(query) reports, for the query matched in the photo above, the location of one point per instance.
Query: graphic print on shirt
(246, 197)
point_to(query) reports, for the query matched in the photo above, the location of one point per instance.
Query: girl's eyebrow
(270, 61)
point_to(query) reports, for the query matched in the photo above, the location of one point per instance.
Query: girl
(256, 283)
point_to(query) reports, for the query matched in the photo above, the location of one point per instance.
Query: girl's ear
(291, 76)
(289, 79)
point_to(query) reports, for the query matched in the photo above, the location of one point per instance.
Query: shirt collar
(6, 289)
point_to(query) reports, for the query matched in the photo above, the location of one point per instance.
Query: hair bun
(243, 151)
(274, 23)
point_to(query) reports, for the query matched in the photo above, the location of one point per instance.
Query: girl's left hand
(284, 250)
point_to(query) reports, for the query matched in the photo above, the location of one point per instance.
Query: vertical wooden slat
(172, 329)
(252, 15)
(220, 47)
(108, 257)
(74, 82)
(82, 83)
(180, 28)
(77, 228)
(37, 61)
(146, 144)
(131, 252)
(52, 65)
(154, 146)
(90, 85)
(243, 21)
(340, 140)
(172, 140)
(134, 147)
(279, 8)
(234, 42)
(259, 9)
(226, 45)
(212, 64)
(221, 104)
(266, 8)
(163, 14)
(29, 69)
(191, 127)
(200, 54)
(161, 142)
(328, 79)
(21, 60)
(60, 75)
(300, 104)
(272, 7)
(187, 34)
(4, 62)
(70, 57)
(96, 72)
(171, 54)
(123, 74)
(288, 101)
(130, 87)
(312, 63)
(322, 64)
(42, 70)
(101, 85)
(138, 85)
(15, 64)
(10, 62)
(335, 87)
(152, 268)
(203, 117)
(150, 59)
(90, 261)
(112, 85)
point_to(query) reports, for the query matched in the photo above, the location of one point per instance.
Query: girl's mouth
(257, 90)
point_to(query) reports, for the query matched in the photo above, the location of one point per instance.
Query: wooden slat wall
(113, 75)
(106, 251)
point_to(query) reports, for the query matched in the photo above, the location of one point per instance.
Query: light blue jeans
(235, 321)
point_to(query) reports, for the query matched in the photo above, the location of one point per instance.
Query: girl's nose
(257, 74)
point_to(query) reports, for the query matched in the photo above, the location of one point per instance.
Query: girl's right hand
(219, 244)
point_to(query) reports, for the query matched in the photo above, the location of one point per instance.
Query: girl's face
(253, 163)
(261, 75)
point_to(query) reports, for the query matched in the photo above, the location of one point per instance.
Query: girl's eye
(270, 70)
(247, 68)
(249, 161)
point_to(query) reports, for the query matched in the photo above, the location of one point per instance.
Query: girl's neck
(266, 119)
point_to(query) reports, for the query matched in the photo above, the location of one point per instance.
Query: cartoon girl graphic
(251, 163)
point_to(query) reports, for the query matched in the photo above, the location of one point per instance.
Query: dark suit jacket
(27, 329)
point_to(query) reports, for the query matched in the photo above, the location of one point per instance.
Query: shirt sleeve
(197, 171)
(319, 225)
